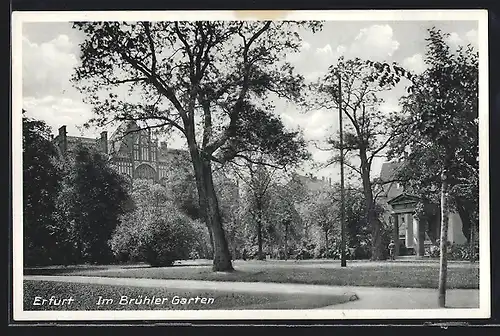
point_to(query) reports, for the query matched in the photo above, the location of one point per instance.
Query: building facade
(132, 151)
(412, 232)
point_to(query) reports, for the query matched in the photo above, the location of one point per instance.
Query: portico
(407, 229)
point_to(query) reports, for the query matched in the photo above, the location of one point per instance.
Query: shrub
(157, 237)
(455, 251)
(362, 252)
(306, 251)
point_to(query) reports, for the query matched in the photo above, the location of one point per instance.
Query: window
(145, 172)
(153, 154)
(145, 153)
(136, 152)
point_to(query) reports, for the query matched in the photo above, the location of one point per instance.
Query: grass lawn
(86, 297)
(402, 275)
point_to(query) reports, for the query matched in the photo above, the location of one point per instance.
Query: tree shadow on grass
(72, 269)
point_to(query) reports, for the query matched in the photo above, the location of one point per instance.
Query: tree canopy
(442, 129)
(212, 81)
(41, 178)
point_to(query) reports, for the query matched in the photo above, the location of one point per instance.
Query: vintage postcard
(237, 165)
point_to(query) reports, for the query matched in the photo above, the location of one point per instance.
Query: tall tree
(286, 194)
(92, 198)
(324, 213)
(257, 181)
(443, 131)
(209, 80)
(368, 130)
(41, 178)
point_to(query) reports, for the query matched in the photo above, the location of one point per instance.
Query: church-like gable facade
(132, 151)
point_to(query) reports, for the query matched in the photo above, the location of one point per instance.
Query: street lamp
(343, 262)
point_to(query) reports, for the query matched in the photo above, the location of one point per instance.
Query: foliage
(460, 252)
(92, 198)
(212, 81)
(324, 213)
(441, 130)
(156, 231)
(41, 177)
(355, 86)
(305, 251)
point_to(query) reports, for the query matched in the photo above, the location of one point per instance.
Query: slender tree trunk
(286, 240)
(260, 254)
(326, 243)
(210, 209)
(443, 263)
(472, 257)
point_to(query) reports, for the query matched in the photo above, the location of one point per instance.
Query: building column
(395, 233)
(419, 235)
(409, 243)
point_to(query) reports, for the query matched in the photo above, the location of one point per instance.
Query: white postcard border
(18, 18)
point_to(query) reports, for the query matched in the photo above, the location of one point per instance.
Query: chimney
(330, 181)
(63, 140)
(323, 178)
(104, 142)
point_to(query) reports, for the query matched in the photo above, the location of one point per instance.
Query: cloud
(415, 64)
(375, 42)
(305, 46)
(455, 40)
(58, 111)
(472, 37)
(47, 67)
(325, 51)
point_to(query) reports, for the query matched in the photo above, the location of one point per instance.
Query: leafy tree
(257, 181)
(92, 198)
(353, 85)
(41, 177)
(434, 140)
(286, 194)
(209, 80)
(156, 231)
(324, 213)
(443, 131)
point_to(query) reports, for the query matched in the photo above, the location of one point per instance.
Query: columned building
(409, 231)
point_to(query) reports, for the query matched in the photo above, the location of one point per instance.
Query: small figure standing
(392, 248)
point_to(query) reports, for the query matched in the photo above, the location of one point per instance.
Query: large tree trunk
(374, 222)
(210, 209)
(211, 236)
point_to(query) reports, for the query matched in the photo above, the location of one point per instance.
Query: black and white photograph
(177, 165)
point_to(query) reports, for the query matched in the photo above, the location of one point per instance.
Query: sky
(50, 52)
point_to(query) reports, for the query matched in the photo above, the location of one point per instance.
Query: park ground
(270, 284)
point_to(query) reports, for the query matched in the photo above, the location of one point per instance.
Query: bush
(329, 253)
(459, 252)
(159, 238)
(306, 251)
(361, 252)
(250, 252)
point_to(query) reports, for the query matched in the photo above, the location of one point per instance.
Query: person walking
(392, 248)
